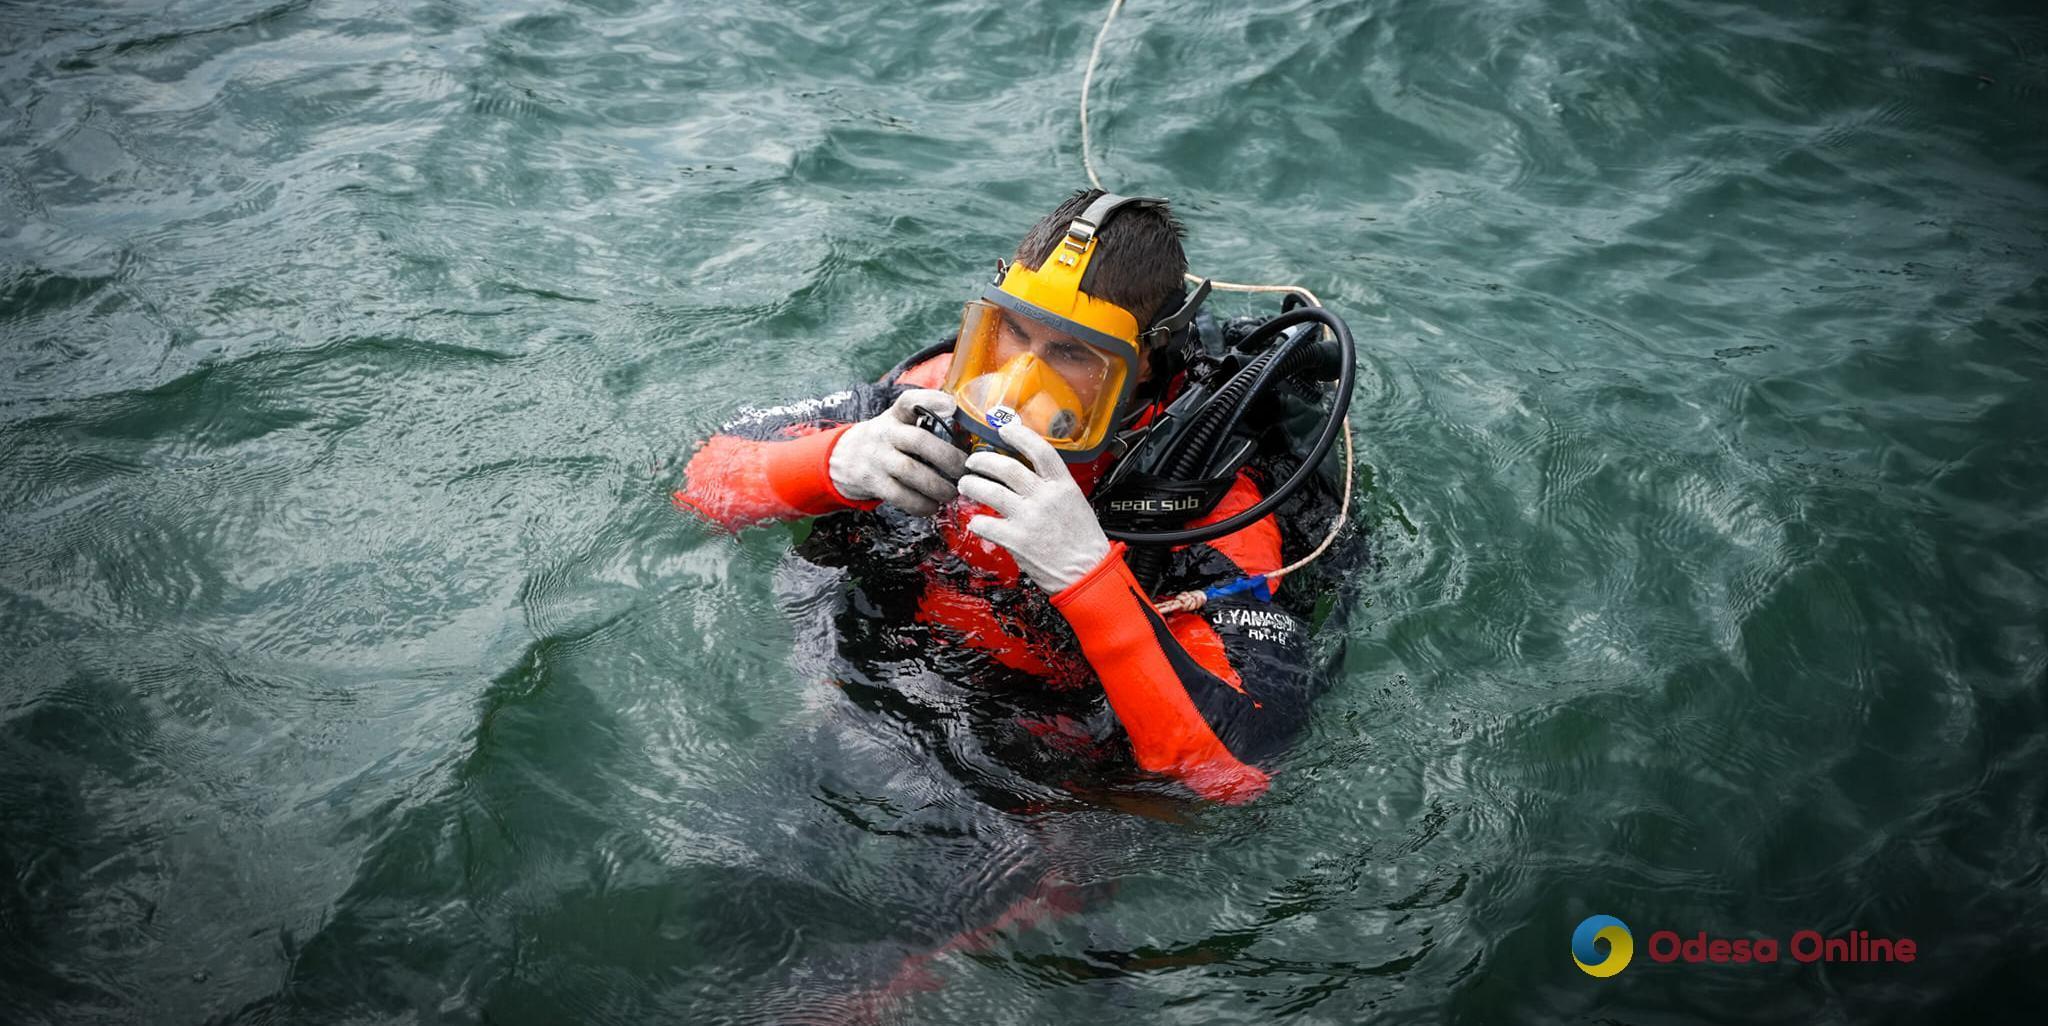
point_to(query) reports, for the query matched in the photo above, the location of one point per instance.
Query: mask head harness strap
(1076, 246)
(1167, 329)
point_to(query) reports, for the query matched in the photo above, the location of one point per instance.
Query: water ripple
(356, 668)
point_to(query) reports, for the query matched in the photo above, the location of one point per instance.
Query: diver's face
(1074, 360)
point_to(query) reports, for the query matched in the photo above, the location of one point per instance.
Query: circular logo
(1621, 946)
(1000, 415)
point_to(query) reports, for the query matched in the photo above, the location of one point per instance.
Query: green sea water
(354, 667)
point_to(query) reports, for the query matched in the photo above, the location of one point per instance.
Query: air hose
(1317, 359)
(1221, 416)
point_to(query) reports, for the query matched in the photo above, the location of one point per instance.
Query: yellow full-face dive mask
(1065, 361)
(1066, 389)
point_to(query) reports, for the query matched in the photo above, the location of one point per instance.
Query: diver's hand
(888, 457)
(1046, 522)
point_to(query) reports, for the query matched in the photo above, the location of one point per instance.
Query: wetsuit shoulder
(928, 373)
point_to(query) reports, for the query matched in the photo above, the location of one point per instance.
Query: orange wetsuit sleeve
(1147, 676)
(773, 464)
(1204, 696)
(733, 482)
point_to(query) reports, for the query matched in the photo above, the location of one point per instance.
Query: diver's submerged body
(1052, 361)
(1206, 697)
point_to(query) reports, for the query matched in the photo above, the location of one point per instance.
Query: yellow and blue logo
(1621, 946)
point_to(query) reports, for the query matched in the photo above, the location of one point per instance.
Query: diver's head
(1139, 264)
(1091, 308)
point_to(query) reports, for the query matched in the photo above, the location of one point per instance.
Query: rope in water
(1258, 584)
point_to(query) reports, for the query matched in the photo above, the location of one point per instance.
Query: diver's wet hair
(1138, 259)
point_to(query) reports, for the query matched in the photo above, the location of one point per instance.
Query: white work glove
(1046, 522)
(879, 458)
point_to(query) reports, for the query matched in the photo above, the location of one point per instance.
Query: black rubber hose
(1147, 562)
(1314, 359)
(1217, 420)
(1193, 449)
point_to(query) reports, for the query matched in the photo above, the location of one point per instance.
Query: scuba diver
(1015, 497)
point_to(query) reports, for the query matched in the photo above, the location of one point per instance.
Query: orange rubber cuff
(1114, 623)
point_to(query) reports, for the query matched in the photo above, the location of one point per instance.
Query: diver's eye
(1067, 352)
(1011, 336)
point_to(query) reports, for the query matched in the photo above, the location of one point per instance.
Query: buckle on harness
(1079, 235)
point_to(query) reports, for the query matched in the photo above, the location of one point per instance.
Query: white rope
(1197, 599)
(1231, 286)
(1343, 507)
(1088, 79)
